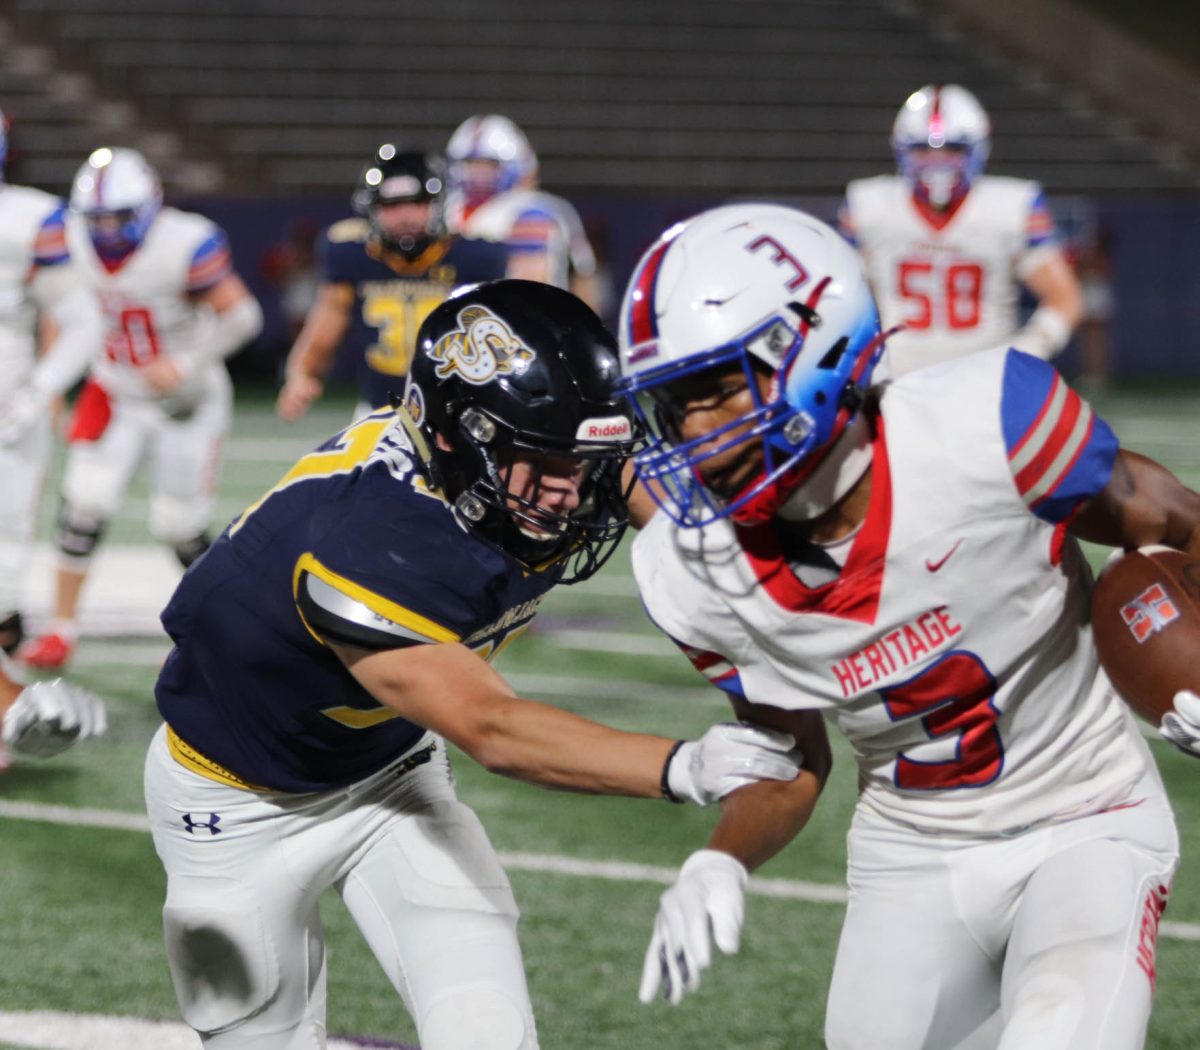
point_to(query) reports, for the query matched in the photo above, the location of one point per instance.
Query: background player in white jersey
(903, 561)
(494, 195)
(173, 311)
(41, 299)
(336, 636)
(947, 247)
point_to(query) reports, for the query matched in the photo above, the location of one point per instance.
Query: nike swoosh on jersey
(933, 566)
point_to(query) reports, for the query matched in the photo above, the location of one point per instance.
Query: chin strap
(843, 467)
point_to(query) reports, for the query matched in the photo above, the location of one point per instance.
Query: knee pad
(12, 632)
(223, 962)
(78, 532)
(178, 521)
(473, 1016)
(188, 551)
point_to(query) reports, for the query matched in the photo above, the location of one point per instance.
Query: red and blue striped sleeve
(50, 244)
(1039, 225)
(718, 670)
(533, 230)
(211, 263)
(1060, 452)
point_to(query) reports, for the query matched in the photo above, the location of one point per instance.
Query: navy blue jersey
(351, 546)
(392, 296)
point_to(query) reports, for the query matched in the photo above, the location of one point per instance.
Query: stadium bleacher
(758, 97)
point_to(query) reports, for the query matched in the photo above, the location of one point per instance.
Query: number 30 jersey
(953, 649)
(148, 301)
(950, 280)
(391, 296)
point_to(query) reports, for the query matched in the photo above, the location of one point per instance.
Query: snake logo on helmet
(941, 138)
(118, 194)
(518, 371)
(507, 158)
(399, 176)
(775, 292)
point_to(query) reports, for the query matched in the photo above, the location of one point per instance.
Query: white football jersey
(146, 304)
(951, 282)
(954, 648)
(23, 242)
(529, 220)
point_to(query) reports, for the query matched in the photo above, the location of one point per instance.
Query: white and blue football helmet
(3, 143)
(491, 137)
(118, 194)
(757, 285)
(941, 138)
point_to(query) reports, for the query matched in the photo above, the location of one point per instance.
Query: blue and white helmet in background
(118, 193)
(764, 286)
(493, 138)
(941, 138)
(3, 143)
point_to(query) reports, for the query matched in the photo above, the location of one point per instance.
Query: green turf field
(81, 888)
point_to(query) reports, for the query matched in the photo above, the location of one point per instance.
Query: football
(1146, 621)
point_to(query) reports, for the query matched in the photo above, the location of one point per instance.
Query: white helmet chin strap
(844, 466)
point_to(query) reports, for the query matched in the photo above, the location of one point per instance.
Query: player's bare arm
(759, 820)
(1060, 306)
(312, 355)
(238, 320)
(452, 691)
(1142, 504)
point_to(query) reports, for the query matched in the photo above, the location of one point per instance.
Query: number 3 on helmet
(768, 288)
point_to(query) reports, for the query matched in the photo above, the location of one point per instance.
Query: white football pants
(185, 461)
(413, 866)
(22, 472)
(1040, 941)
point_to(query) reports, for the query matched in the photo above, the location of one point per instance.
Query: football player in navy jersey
(334, 640)
(380, 275)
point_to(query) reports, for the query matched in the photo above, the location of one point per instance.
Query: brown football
(1146, 619)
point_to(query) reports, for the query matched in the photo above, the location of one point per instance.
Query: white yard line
(612, 870)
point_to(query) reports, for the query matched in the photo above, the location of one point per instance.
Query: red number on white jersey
(953, 698)
(951, 298)
(136, 343)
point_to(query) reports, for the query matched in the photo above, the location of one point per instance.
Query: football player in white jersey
(494, 196)
(902, 559)
(947, 247)
(41, 298)
(173, 309)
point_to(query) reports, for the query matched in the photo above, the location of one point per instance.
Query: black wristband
(664, 780)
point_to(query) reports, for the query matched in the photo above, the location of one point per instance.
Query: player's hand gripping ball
(1146, 620)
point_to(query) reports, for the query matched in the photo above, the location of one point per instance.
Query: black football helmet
(520, 372)
(395, 175)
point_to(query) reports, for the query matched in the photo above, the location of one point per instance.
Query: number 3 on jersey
(939, 297)
(953, 697)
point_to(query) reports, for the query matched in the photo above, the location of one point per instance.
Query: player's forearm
(1143, 504)
(758, 820)
(545, 745)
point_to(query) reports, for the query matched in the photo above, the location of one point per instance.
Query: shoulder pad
(361, 619)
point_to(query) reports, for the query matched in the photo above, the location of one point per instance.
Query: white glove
(1181, 727)
(48, 717)
(707, 898)
(728, 756)
(24, 407)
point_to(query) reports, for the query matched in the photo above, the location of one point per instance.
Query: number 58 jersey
(949, 278)
(953, 649)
